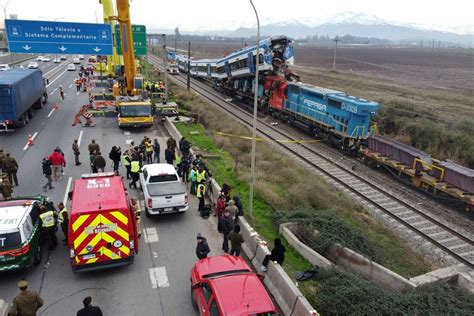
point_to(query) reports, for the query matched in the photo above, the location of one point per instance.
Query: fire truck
(103, 230)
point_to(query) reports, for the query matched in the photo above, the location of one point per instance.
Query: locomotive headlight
(118, 244)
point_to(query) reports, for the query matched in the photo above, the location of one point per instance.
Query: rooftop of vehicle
(97, 194)
(12, 214)
(160, 168)
(15, 75)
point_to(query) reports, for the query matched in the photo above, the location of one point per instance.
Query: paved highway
(157, 283)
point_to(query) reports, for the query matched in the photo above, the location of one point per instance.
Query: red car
(226, 285)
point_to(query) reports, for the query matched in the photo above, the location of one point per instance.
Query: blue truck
(21, 91)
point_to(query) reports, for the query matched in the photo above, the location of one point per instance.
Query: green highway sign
(139, 39)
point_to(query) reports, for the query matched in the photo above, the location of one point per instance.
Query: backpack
(206, 212)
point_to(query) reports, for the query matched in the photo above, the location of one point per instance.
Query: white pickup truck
(164, 192)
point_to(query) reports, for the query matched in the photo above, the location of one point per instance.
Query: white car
(81, 57)
(76, 61)
(71, 67)
(39, 58)
(163, 190)
(33, 65)
(46, 59)
(56, 60)
(62, 57)
(4, 67)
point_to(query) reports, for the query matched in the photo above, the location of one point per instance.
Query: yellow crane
(109, 18)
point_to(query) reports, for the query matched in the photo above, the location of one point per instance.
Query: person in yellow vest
(200, 175)
(149, 151)
(126, 162)
(63, 219)
(48, 227)
(201, 192)
(135, 173)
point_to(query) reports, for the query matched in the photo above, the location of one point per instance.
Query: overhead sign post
(43, 37)
(139, 39)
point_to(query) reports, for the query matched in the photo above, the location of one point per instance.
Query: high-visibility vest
(199, 188)
(47, 219)
(178, 159)
(135, 166)
(200, 176)
(125, 162)
(149, 147)
(61, 214)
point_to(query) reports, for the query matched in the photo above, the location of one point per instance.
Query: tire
(193, 302)
(38, 256)
(147, 214)
(26, 118)
(30, 113)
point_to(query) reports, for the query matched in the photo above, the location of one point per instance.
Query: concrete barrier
(309, 254)
(288, 297)
(466, 281)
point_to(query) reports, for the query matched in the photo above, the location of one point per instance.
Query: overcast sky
(229, 14)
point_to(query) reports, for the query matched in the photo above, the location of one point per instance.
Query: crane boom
(125, 27)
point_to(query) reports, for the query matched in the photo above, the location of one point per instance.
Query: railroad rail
(453, 243)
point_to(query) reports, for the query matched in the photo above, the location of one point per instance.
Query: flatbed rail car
(441, 179)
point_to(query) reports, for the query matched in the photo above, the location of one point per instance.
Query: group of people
(8, 174)
(29, 302)
(154, 86)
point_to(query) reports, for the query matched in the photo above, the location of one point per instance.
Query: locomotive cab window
(334, 103)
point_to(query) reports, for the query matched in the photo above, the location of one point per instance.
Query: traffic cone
(30, 140)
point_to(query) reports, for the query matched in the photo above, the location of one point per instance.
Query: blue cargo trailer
(21, 90)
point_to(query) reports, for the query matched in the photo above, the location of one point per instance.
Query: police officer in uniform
(48, 226)
(6, 188)
(25, 303)
(10, 167)
(63, 219)
(134, 172)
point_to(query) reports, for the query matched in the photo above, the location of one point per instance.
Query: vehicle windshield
(10, 241)
(163, 178)
(135, 110)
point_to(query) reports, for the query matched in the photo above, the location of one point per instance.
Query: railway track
(450, 241)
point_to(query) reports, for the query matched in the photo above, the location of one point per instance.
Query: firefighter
(201, 192)
(48, 227)
(78, 84)
(6, 188)
(134, 172)
(63, 219)
(61, 93)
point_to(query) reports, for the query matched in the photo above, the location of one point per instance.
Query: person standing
(238, 204)
(10, 167)
(193, 178)
(236, 241)
(135, 173)
(2, 157)
(75, 150)
(233, 210)
(47, 172)
(93, 147)
(201, 192)
(126, 162)
(227, 225)
(26, 303)
(99, 162)
(115, 155)
(202, 248)
(57, 161)
(149, 150)
(277, 254)
(63, 219)
(169, 155)
(88, 309)
(156, 150)
(6, 188)
(48, 226)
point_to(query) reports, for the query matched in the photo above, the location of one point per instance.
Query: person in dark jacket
(156, 150)
(75, 150)
(99, 162)
(170, 155)
(10, 167)
(115, 155)
(27, 302)
(236, 241)
(202, 248)
(47, 172)
(277, 255)
(88, 309)
(184, 147)
(238, 204)
(227, 225)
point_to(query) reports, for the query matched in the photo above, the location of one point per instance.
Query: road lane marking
(80, 138)
(51, 82)
(69, 181)
(150, 235)
(55, 89)
(51, 112)
(33, 138)
(126, 133)
(70, 86)
(158, 277)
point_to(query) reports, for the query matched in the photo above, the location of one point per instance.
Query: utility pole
(188, 84)
(175, 41)
(335, 53)
(166, 68)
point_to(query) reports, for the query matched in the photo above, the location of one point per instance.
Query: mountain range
(355, 24)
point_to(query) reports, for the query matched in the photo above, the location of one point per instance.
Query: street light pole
(254, 123)
(188, 83)
(335, 53)
(166, 67)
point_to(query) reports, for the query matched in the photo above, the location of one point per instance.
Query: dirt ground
(421, 67)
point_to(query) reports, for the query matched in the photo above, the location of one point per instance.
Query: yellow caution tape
(266, 139)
